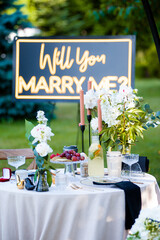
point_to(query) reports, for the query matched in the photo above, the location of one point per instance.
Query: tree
(98, 18)
(11, 19)
(88, 17)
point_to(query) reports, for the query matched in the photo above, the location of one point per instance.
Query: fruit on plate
(70, 155)
(54, 155)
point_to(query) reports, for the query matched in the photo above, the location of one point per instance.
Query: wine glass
(130, 159)
(16, 161)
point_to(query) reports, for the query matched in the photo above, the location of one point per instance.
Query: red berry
(62, 154)
(52, 156)
(74, 158)
(74, 153)
(68, 156)
(78, 155)
(82, 157)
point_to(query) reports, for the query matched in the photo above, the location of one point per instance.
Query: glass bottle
(95, 162)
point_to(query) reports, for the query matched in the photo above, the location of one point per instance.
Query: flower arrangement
(38, 137)
(124, 117)
(147, 225)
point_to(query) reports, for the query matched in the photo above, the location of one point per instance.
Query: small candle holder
(82, 130)
(89, 117)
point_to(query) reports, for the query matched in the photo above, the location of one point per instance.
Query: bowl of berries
(68, 156)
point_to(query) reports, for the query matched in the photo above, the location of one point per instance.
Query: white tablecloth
(68, 215)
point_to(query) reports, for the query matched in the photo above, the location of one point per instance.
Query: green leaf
(96, 15)
(30, 138)
(158, 114)
(39, 160)
(49, 177)
(117, 141)
(35, 175)
(145, 127)
(123, 137)
(153, 117)
(131, 133)
(133, 119)
(35, 153)
(28, 127)
(139, 131)
(104, 154)
(147, 108)
(91, 155)
(51, 167)
(128, 10)
(150, 125)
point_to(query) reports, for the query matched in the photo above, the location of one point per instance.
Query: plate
(67, 162)
(92, 181)
(106, 180)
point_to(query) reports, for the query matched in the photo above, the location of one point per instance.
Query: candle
(89, 87)
(99, 116)
(82, 107)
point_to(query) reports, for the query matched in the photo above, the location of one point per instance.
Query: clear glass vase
(42, 185)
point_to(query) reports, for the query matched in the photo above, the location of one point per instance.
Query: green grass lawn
(67, 132)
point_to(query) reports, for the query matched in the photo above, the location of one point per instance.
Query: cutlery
(76, 187)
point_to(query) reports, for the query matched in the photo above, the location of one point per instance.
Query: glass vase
(42, 185)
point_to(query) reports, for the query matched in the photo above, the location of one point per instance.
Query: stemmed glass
(16, 161)
(130, 159)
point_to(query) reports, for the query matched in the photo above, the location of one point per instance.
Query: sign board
(57, 68)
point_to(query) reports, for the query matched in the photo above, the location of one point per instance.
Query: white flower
(43, 149)
(94, 124)
(41, 133)
(90, 99)
(41, 117)
(110, 113)
(139, 226)
(102, 92)
(135, 90)
(130, 104)
(125, 90)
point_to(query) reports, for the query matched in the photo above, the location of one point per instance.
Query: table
(68, 215)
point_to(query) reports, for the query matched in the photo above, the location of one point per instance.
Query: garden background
(76, 18)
